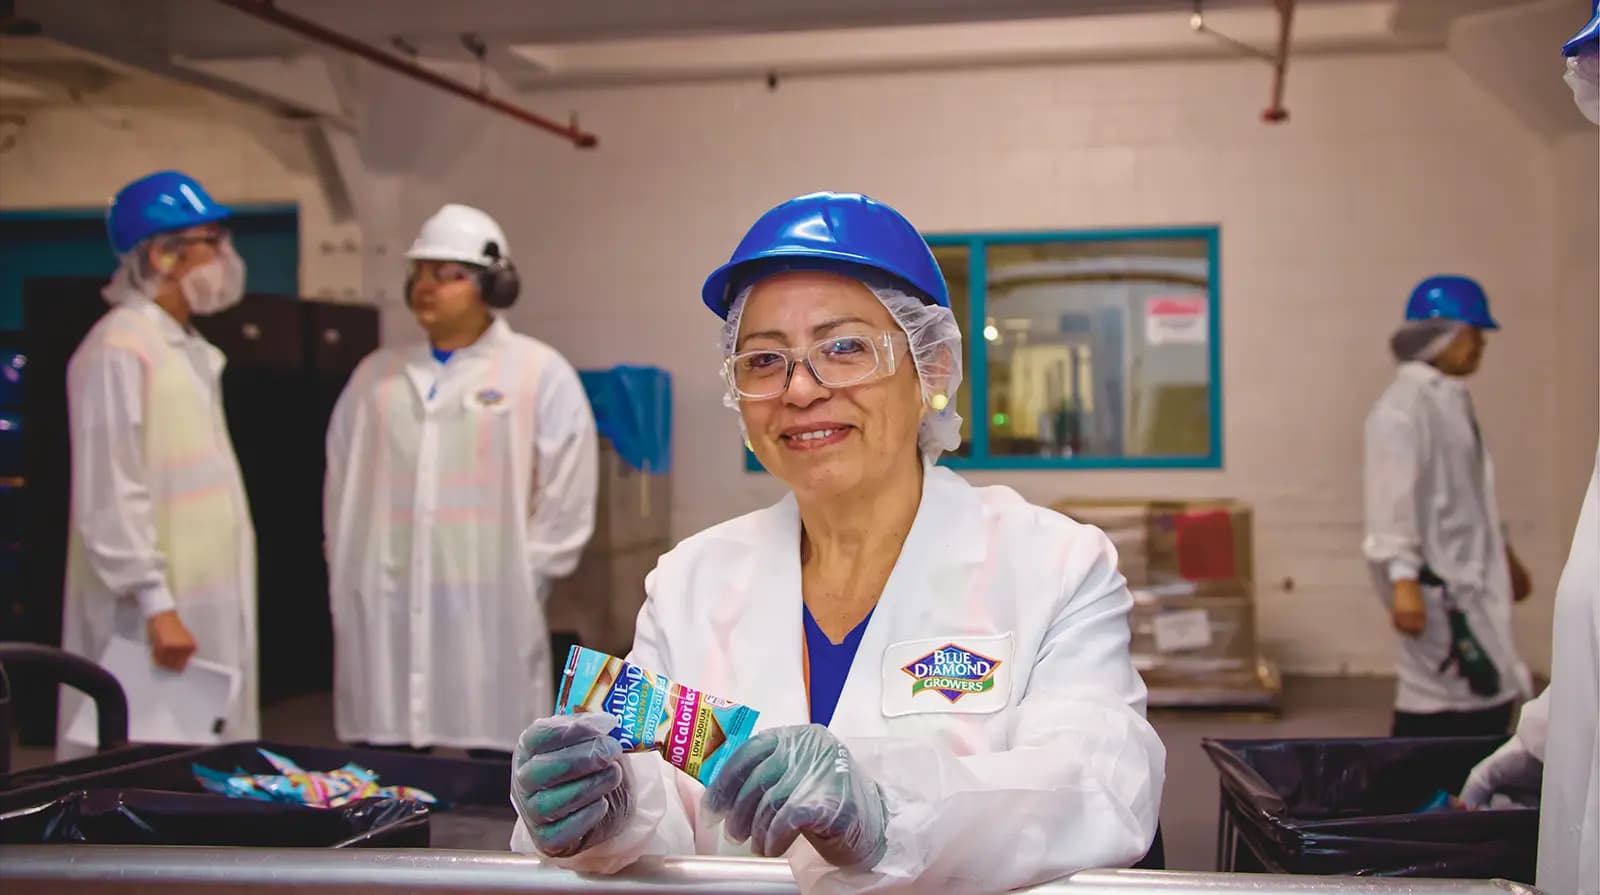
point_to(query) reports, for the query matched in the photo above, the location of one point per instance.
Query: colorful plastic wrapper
(694, 731)
(293, 784)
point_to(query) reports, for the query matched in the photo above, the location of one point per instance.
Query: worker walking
(1434, 538)
(161, 549)
(461, 482)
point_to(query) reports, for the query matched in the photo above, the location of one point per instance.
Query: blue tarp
(633, 408)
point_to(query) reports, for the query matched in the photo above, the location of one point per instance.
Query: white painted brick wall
(1391, 168)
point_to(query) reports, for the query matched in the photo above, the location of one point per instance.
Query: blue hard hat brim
(1587, 34)
(718, 290)
(214, 213)
(1485, 322)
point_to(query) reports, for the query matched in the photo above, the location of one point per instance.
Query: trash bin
(146, 793)
(153, 817)
(474, 812)
(1347, 807)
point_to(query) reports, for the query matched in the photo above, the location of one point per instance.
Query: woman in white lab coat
(161, 550)
(1556, 749)
(830, 607)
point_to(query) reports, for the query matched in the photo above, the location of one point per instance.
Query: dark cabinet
(288, 359)
(263, 332)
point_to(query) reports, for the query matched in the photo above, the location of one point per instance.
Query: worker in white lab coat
(843, 603)
(1558, 736)
(160, 549)
(461, 481)
(1434, 541)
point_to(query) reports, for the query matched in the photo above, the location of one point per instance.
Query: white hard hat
(459, 233)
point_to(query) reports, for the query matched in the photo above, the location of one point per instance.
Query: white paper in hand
(187, 706)
(1182, 629)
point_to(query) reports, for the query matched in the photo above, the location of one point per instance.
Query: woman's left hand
(1521, 581)
(794, 781)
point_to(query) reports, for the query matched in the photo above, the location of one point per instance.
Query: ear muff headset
(498, 284)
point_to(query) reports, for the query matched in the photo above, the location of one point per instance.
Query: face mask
(215, 286)
(1583, 76)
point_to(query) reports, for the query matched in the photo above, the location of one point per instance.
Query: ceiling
(551, 43)
(208, 30)
(200, 28)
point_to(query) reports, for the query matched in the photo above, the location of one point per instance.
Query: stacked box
(1190, 566)
(600, 600)
(1192, 634)
(1162, 541)
(1204, 540)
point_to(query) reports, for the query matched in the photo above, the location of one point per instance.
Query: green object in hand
(1467, 654)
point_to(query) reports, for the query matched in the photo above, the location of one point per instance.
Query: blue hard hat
(1450, 297)
(159, 203)
(1588, 34)
(845, 233)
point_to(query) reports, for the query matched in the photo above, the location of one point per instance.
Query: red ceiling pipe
(1276, 112)
(267, 11)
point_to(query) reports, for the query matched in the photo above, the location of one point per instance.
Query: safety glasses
(441, 272)
(213, 236)
(835, 362)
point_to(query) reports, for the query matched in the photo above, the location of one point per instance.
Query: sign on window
(1175, 320)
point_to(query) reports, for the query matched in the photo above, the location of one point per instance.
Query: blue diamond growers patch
(952, 671)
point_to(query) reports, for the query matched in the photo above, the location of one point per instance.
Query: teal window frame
(977, 358)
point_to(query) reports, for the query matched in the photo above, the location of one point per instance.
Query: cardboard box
(600, 600)
(1209, 540)
(1160, 541)
(632, 508)
(1189, 634)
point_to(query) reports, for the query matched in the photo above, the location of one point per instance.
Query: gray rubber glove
(1511, 770)
(567, 783)
(800, 781)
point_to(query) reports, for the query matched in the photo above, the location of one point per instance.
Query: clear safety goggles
(213, 235)
(835, 362)
(442, 272)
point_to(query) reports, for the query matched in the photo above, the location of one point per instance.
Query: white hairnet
(1583, 76)
(935, 342)
(1423, 340)
(133, 278)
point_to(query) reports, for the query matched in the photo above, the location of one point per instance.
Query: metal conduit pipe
(267, 11)
(177, 870)
(1280, 65)
(1275, 111)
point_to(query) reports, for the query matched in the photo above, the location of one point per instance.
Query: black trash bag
(1348, 806)
(154, 817)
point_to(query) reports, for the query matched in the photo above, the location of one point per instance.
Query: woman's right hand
(568, 783)
(1410, 613)
(171, 644)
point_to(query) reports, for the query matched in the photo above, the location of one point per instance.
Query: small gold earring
(939, 401)
(748, 446)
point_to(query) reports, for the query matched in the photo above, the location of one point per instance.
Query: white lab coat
(1430, 501)
(159, 515)
(1053, 771)
(455, 493)
(1569, 808)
